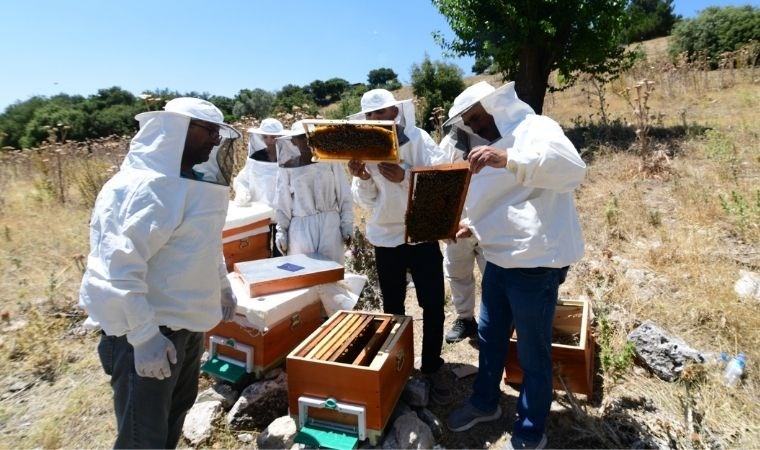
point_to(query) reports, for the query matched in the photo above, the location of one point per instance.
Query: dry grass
(663, 216)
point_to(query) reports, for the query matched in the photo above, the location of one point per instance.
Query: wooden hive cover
(436, 199)
(344, 140)
(284, 273)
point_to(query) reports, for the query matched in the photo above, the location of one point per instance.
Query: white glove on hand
(229, 304)
(153, 356)
(281, 241)
(242, 197)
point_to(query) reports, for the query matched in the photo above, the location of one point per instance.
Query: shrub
(716, 31)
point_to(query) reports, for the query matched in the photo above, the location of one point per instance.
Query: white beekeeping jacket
(524, 215)
(155, 240)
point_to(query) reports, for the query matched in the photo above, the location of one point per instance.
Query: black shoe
(461, 329)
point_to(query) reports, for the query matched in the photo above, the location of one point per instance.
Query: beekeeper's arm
(363, 187)
(125, 241)
(283, 210)
(345, 203)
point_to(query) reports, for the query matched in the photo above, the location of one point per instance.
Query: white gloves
(242, 197)
(153, 356)
(281, 241)
(347, 232)
(229, 304)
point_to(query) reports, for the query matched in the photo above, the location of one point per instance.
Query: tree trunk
(532, 77)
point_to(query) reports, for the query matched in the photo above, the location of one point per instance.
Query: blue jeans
(425, 262)
(150, 412)
(523, 299)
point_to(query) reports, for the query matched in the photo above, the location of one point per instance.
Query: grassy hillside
(668, 231)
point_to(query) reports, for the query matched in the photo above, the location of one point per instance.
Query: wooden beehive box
(357, 358)
(284, 273)
(436, 199)
(270, 347)
(344, 140)
(572, 349)
(245, 236)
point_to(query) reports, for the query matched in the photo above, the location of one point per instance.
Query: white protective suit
(524, 215)
(314, 211)
(388, 200)
(155, 238)
(257, 180)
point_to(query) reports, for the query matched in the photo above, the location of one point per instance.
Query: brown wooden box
(375, 382)
(574, 362)
(246, 235)
(436, 199)
(285, 273)
(272, 346)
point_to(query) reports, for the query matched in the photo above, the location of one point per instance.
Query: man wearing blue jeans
(520, 208)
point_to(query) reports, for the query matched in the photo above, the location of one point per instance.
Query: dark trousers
(425, 262)
(150, 412)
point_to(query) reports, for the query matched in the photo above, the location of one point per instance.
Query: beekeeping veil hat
(159, 143)
(196, 109)
(290, 153)
(381, 98)
(268, 127)
(502, 103)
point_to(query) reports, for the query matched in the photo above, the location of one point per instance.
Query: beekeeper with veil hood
(314, 211)
(155, 278)
(520, 207)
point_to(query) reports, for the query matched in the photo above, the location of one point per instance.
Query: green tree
(257, 103)
(291, 95)
(63, 112)
(13, 121)
(648, 19)
(715, 31)
(438, 84)
(326, 92)
(381, 78)
(528, 39)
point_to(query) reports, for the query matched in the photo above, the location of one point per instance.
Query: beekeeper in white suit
(461, 255)
(520, 207)
(257, 180)
(383, 189)
(155, 278)
(314, 208)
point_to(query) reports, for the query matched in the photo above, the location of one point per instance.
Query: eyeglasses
(212, 132)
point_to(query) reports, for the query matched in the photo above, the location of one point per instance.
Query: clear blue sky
(220, 47)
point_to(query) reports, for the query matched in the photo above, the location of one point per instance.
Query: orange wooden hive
(574, 361)
(245, 236)
(284, 273)
(356, 360)
(436, 199)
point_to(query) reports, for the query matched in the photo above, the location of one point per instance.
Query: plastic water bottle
(734, 370)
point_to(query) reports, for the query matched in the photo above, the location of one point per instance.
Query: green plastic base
(316, 437)
(224, 370)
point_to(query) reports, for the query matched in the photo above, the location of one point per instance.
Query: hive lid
(344, 140)
(238, 216)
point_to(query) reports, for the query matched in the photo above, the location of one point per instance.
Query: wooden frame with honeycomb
(436, 199)
(344, 140)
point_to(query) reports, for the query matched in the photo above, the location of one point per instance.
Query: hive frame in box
(367, 392)
(357, 126)
(417, 210)
(574, 363)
